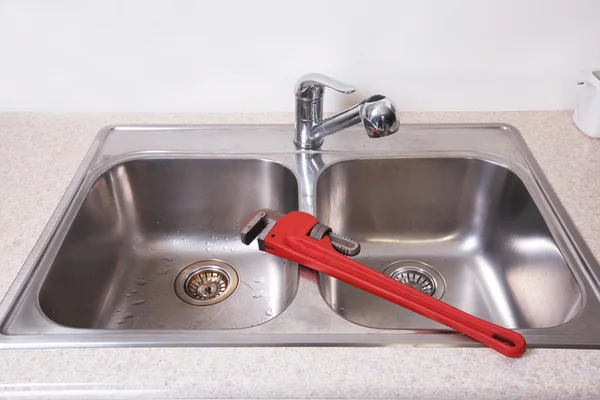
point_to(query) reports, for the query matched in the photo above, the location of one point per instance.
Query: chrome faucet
(377, 113)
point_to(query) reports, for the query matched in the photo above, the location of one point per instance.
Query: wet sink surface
(144, 221)
(471, 221)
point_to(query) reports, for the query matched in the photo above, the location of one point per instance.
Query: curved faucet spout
(377, 114)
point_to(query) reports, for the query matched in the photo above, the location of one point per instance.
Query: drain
(416, 279)
(417, 275)
(205, 283)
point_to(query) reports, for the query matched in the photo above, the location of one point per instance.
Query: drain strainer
(205, 283)
(416, 279)
(417, 275)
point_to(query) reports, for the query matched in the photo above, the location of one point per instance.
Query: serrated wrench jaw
(259, 226)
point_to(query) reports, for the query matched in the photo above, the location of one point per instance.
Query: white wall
(245, 55)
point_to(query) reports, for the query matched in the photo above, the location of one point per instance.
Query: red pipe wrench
(299, 237)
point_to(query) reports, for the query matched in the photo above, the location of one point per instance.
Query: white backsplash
(243, 55)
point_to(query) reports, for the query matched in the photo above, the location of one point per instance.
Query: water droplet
(151, 248)
(141, 282)
(127, 295)
(227, 239)
(342, 309)
(224, 247)
(138, 302)
(127, 317)
(259, 279)
(134, 290)
(269, 312)
(367, 257)
(231, 249)
(118, 310)
(168, 235)
(237, 238)
(168, 259)
(208, 243)
(258, 293)
(207, 249)
(163, 272)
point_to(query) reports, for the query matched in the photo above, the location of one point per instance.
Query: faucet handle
(312, 86)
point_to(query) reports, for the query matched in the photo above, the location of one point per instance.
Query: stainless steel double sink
(461, 210)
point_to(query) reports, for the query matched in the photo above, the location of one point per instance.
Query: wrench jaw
(259, 226)
(254, 227)
(262, 246)
(341, 244)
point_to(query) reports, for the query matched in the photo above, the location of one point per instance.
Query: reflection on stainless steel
(309, 166)
(377, 114)
(466, 204)
(426, 199)
(178, 212)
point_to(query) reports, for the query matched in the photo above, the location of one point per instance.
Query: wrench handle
(320, 256)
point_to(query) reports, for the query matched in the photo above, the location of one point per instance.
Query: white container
(587, 111)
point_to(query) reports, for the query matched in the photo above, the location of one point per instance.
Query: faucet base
(309, 145)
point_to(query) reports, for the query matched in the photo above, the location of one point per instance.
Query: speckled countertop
(39, 154)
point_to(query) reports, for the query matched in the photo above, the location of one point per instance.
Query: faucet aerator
(379, 117)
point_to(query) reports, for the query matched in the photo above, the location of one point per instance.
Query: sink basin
(468, 225)
(142, 249)
(142, 222)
